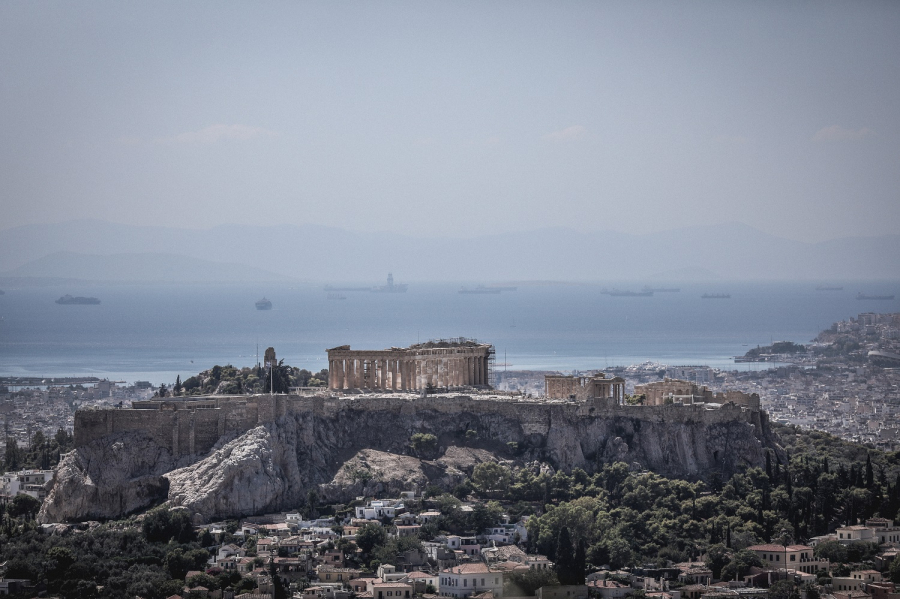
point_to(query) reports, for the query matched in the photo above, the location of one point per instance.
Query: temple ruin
(434, 364)
(584, 388)
(687, 393)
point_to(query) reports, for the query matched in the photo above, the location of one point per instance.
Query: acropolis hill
(231, 456)
(225, 456)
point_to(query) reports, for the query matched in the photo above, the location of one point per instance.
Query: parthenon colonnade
(454, 363)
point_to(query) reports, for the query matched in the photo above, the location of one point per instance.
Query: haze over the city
(453, 119)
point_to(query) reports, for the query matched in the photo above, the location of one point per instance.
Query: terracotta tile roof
(477, 568)
(777, 548)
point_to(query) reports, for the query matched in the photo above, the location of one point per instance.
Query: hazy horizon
(454, 120)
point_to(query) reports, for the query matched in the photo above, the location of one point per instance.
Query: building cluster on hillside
(307, 554)
(24, 482)
(316, 559)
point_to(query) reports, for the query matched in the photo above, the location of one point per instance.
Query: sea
(155, 333)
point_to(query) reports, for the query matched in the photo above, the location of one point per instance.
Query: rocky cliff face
(348, 448)
(111, 477)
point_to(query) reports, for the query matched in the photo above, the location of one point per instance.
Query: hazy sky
(454, 118)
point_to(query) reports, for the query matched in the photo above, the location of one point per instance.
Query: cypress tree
(565, 559)
(580, 562)
(870, 474)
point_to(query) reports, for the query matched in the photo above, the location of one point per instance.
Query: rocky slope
(109, 478)
(352, 449)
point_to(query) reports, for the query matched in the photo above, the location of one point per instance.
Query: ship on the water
(481, 289)
(336, 296)
(662, 289)
(391, 287)
(618, 293)
(68, 300)
(863, 296)
(264, 304)
(828, 288)
(716, 296)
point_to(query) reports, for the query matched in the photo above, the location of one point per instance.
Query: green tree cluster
(249, 380)
(43, 451)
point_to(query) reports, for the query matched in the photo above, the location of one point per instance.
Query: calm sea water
(156, 333)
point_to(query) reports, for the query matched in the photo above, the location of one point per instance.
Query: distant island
(68, 300)
(772, 352)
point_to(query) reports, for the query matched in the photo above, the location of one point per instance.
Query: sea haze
(154, 333)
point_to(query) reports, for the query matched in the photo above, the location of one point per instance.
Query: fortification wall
(187, 427)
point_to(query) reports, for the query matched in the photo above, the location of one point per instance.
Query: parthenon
(454, 363)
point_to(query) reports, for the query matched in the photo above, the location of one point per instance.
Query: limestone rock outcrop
(108, 478)
(372, 473)
(254, 473)
(346, 447)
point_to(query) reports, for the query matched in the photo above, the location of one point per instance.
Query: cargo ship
(263, 304)
(68, 300)
(617, 293)
(716, 296)
(391, 287)
(863, 296)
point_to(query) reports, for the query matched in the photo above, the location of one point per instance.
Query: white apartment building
(470, 579)
(24, 482)
(378, 509)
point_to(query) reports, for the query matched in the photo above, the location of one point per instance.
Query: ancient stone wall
(192, 427)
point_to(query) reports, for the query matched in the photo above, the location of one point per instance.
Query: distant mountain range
(102, 251)
(136, 268)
